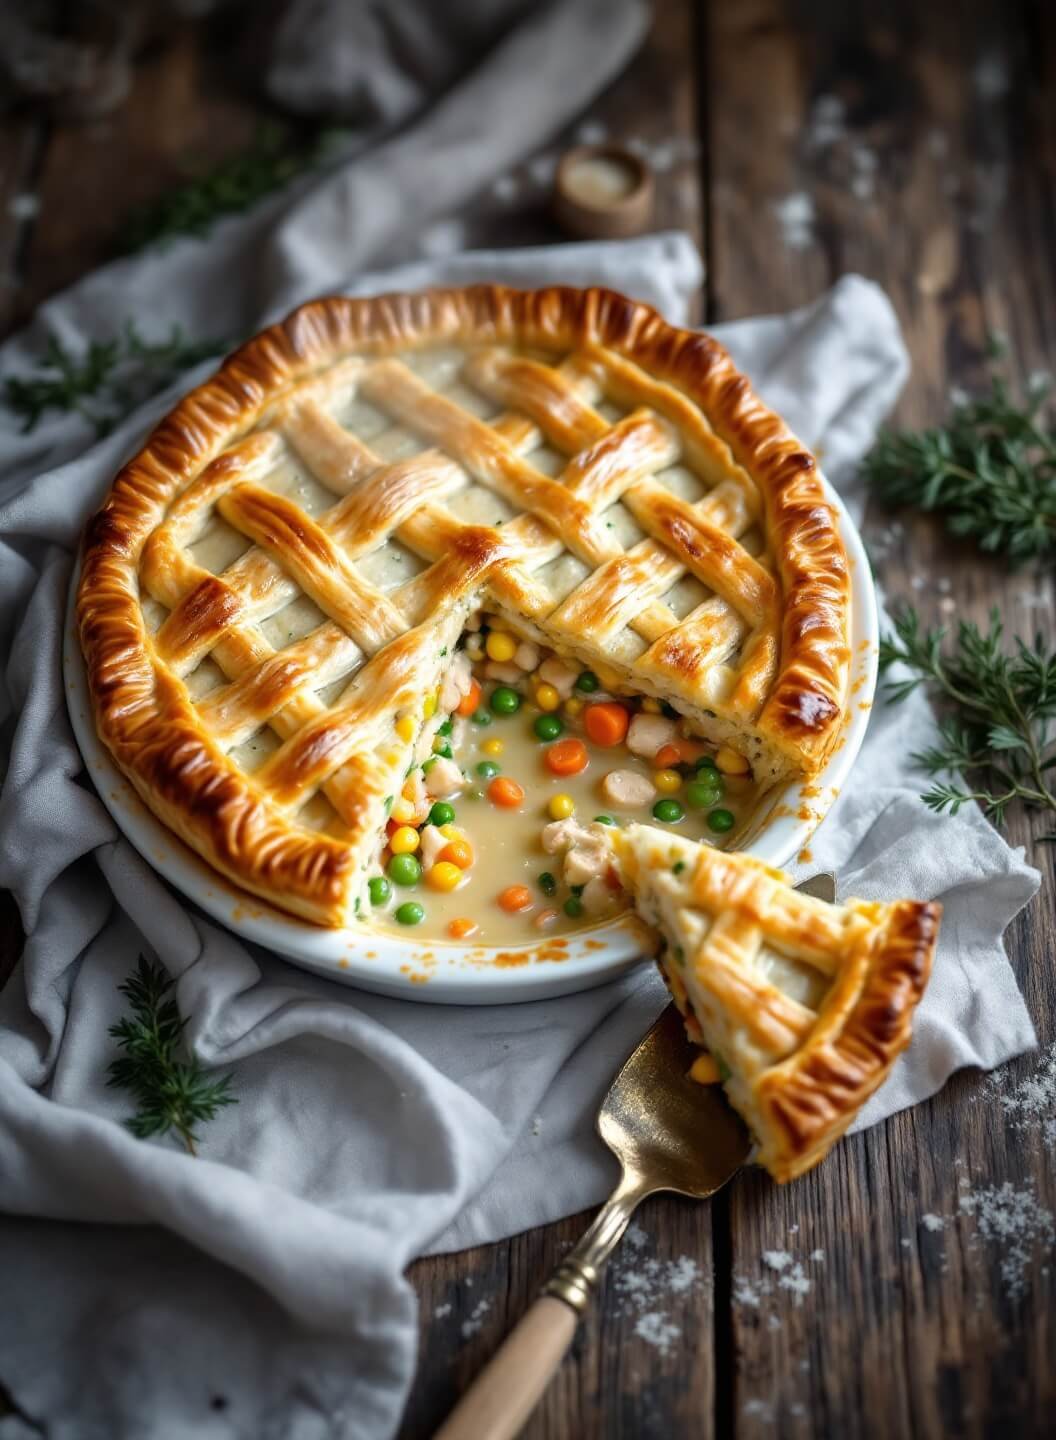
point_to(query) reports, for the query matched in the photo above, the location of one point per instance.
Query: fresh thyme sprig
(272, 159)
(106, 380)
(998, 708)
(990, 470)
(170, 1094)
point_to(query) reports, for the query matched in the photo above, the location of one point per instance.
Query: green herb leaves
(104, 382)
(998, 709)
(990, 470)
(169, 1093)
(271, 160)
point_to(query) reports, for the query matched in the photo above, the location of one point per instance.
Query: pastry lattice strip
(218, 615)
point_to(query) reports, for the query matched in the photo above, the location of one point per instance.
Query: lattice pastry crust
(808, 1004)
(607, 481)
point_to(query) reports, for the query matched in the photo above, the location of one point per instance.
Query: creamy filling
(499, 837)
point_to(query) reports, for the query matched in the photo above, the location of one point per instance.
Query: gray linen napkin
(368, 1130)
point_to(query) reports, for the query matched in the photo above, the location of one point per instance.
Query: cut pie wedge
(275, 586)
(804, 1006)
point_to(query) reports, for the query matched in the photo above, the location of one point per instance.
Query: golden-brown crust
(147, 723)
(811, 1100)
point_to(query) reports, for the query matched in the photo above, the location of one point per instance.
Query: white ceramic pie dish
(452, 974)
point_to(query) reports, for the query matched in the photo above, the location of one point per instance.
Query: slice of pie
(273, 593)
(803, 1006)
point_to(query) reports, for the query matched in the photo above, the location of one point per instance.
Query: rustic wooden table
(915, 144)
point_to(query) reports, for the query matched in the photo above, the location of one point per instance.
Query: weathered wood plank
(918, 154)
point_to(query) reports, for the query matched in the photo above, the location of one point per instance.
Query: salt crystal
(758, 1409)
(817, 1256)
(796, 215)
(656, 1330)
(476, 1321)
(1013, 1220)
(1032, 1103)
(541, 169)
(592, 132)
(777, 1259)
(441, 1311)
(23, 207)
(505, 187)
(933, 1222)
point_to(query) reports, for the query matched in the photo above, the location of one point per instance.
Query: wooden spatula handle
(506, 1391)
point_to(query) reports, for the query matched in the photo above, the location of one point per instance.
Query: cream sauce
(507, 844)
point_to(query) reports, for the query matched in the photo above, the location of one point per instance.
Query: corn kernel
(573, 706)
(729, 762)
(404, 841)
(452, 832)
(405, 728)
(429, 708)
(493, 747)
(667, 781)
(561, 807)
(547, 698)
(651, 706)
(392, 757)
(705, 1070)
(402, 810)
(500, 647)
(444, 875)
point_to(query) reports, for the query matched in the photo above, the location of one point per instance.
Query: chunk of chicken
(585, 862)
(561, 835)
(526, 656)
(598, 896)
(444, 778)
(457, 682)
(431, 842)
(648, 733)
(504, 671)
(556, 673)
(626, 789)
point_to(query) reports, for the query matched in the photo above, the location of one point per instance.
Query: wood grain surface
(915, 144)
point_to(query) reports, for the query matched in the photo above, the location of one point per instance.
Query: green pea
(428, 764)
(441, 747)
(547, 727)
(604, 820)
(379, 889)
(587, 683)
(720, 821)
(505, 701)
(405, 870)
(487, 769)
(410, 913)
(547, 883)
(702, 794)
(442, 813)
(481, 716)
(706, 762)
(669, 811)
(573, 906)
(446, 727)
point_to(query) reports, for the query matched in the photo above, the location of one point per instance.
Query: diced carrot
(514, 898)
(678, 752)
(460, 928)
(470, 702)
(458, 852)
(606, 723)
(505, 792)
(566, 757)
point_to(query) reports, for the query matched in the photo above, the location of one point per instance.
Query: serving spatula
(668, 1133)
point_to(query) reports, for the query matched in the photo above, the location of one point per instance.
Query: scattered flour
(786, 1272)
(642, 1286)
(441, 1312)
(23, 207)
(1014, 1221)
(592, 132)
(475, 1322)
(796, 216)
(933, 1222)
(1031, 1104)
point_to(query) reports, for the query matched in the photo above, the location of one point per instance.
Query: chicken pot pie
(803, 1006)
(275, 594)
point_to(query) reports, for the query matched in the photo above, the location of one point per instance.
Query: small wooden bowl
(589, 200)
